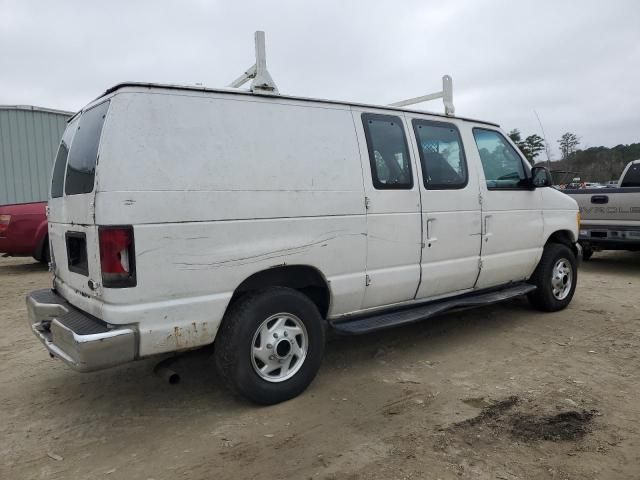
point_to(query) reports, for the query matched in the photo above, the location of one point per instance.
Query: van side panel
(217, 188)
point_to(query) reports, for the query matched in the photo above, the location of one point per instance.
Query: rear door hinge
(367, 280)
(479, 264)
(367, 203)
(480, 198)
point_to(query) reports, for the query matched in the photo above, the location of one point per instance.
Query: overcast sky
(577, 63)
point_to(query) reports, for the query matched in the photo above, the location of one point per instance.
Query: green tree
(515, 136)
(532, 146)
(568, 145)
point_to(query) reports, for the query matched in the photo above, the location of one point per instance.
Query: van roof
(236, 91)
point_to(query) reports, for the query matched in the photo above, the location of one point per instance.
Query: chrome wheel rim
(561, 279)
(279, 347)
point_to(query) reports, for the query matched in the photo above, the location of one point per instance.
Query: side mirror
(541, 177)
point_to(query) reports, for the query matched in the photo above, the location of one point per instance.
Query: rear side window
(441, 155)
(83, 155)
(388, 152)
(57, 180)
(503, 168)
(632, 177)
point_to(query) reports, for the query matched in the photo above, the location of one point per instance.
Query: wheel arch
(307, 279)
(564, 237)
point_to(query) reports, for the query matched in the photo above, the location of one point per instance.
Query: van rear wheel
(270, 345)
(555, 276)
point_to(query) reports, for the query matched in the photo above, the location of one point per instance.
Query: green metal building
(29, 138)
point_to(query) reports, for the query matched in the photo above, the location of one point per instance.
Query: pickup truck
(610, 218)
(23, 231)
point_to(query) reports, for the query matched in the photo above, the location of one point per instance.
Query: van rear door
(72, 230)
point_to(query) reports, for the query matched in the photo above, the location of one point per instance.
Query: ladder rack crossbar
(446, 94)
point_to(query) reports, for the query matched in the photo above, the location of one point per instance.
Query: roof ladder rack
(446, 95)
(262, 81)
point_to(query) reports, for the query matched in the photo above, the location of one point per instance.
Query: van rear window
(83, 155)
(57, 180)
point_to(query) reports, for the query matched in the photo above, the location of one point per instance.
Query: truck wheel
(270, 345)
(555, 276)
(45, 256)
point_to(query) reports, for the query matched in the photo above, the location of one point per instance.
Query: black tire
(234, 348)
(543, 297)
(45, 256)
(587, 253)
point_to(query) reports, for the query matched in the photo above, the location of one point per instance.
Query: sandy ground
(501, 392)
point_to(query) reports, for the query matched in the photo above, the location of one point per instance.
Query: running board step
(381, 321)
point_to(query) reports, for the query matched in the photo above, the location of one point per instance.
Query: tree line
(593, 164)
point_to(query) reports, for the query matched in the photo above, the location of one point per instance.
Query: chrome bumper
(78, 339)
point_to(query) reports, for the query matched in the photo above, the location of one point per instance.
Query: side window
(441, 155)
(83, 155)
(60, 165)
(388, 151)
(503, 168)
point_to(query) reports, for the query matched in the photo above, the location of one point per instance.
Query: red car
(23, 231)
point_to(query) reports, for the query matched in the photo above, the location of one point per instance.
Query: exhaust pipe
(163, 371)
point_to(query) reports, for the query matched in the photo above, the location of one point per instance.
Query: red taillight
(117, 257)
(4, 224)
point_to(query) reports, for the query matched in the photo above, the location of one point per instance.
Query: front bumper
(80, 340)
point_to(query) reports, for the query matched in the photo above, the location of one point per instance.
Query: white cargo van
(182, 217)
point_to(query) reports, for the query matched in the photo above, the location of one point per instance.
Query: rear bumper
(81, 341)
(610, 237)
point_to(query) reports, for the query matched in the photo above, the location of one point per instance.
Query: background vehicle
(29, 138)
(260, 220)
(23, 231)
(611, 217)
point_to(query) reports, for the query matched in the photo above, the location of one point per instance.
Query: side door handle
(600, 199)
(487, 231)
(430, 230)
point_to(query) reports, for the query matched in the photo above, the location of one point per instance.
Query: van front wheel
(555, 276)
(270, 345)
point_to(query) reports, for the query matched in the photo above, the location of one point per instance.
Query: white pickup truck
(610, 216)
(181, 217)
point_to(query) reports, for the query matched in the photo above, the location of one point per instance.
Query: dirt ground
(501, 392)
